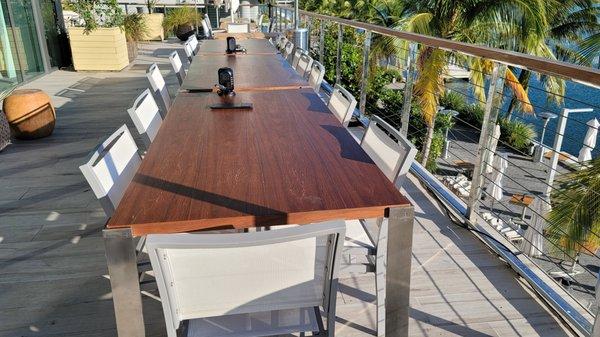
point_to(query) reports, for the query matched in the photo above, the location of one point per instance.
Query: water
(576, 96)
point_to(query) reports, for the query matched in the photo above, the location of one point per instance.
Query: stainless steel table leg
(399, 255)
(122, 267)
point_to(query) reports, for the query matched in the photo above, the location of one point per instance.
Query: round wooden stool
(29, 113)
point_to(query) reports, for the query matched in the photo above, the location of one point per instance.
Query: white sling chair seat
(177, 66)
(159, 86)
(315, 77)
(248, 284)
(111, 168)
(342, 104)
(146, 117)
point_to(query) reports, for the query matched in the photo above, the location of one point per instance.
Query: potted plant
(182, 21)
(135, 30)
(154, 23)
(99, 42)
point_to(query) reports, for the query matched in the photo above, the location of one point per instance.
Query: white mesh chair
(208, 34)
(210, 28)
(393, 154)
(342, 104)
(111, 168)
(315, 77)
(304, 64)
(146, 117)
(193, 41)
(208, 283)
(177, 66)
(188, 51)
(296, 57)
(288, 51)
(157, 82)
(238, 28)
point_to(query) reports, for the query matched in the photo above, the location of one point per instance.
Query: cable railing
(503, 185)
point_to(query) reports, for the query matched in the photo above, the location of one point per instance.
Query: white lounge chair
(248, 284)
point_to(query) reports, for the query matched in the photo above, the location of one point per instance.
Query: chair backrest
(206, 28)
(193, 41)
(177, 66)
(342, 104)
(315, 77)
(188, 51)
(238, 28)
(207, 275)
(389, 149)
(281, 42)
(111, 168)
(288, 51)
(296, 58)
(304, 64)
(146, 116)
(159, 86)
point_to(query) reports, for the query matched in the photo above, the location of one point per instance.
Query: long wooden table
(287, 161)
(252, 46)
(251, 72)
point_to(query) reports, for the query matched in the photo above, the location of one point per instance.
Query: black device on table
(232, 47)
(225, 89)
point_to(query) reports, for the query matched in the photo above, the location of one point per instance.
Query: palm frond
(430, 84)
(520, 93)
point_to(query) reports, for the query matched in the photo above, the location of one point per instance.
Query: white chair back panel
(175, 61)
(238, 28)
(315, 78)
(383, 150)
(112, 166)
(296, 58)
(158, 85)
(341, 107)
(188, 50)
(304, 64)
(256, 324)
(206, 28)
(193, 43)
(215, 282)
(145, 115)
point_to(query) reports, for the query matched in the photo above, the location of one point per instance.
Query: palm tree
(573, 36)
(575, 215)
(488, 22)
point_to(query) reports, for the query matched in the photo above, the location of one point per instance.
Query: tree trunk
(427, 144)
(524, 80)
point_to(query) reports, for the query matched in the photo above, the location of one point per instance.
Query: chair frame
(288, 51)
(147, 137)
(177, 66)
(334, 230)
(97, 154)
(377, 230)
(161, 91)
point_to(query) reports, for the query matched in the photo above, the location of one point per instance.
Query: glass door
(25, 37)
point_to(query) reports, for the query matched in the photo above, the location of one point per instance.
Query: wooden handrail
(585, 75)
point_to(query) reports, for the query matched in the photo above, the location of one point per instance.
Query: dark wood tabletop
(252, 46)
(251, 72)
(286, 161)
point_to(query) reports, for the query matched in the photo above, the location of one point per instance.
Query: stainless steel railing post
(487, 129)
(338, 61)
(365, 73)
(321, 40)
(408, 87)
